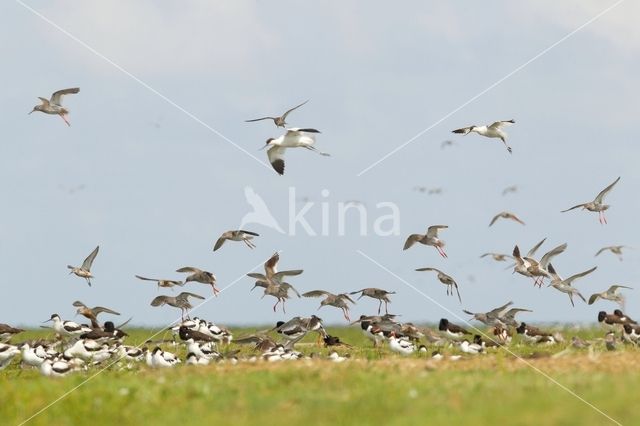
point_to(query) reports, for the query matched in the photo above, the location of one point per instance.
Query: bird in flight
(493, 130)
(54, 106)
(281, 120)
(597, 204)
(294, 138)
(84, 271)
(506, 215)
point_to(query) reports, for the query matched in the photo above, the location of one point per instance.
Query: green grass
(374, 387)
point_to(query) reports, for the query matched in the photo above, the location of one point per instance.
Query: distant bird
(200, 276)
(92, 313)
(85, 270)
(429, 239)
(564, 285)
(162, 282)
(447, 143)
(510, 189)
(597, 204)
(54, 106)
(376, 293)
(498, 257)
(335, 300)
(617, 250)
(294, 138)
(491, 318)
(610, 294)
(610, 341)
(434, 191)
(506, 215)
(281, 120)
(534, 334)
(446, 280)
(239, 235)
(181, 301)
(493, 130)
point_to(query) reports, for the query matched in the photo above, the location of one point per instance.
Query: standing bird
(85, 270)
(239, 235)
(494, 130)
(506, 215)
(162, 283)
(597, 204)
(294, 138)
(181, 301)
(54, 105)
(617, 250)
(335, 300)
(564, 285)
(444, 279)
(610, 294)
(376, 293)
(429, 239)
(92, 313)
(200, 276)
(278, 121)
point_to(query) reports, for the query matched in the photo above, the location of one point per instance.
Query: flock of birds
(80, 346)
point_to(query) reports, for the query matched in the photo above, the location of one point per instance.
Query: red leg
(65, 119)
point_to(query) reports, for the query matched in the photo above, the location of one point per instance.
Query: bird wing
(498, 311)
(159, 300)
(219, 243)
(604, 192)
(284, 116)
(79, 304)
(187, 294)
(496, 217)
(463, 130)
(249, 232)
(316, 293)
(615, 287)
(189, 269)
(429, 269)
(346, 297)
(45, 101)
(500, 124)
(257, 275)
(259, 119)
(553, 273)
(516, 218)
(288, 286)
(86, 265)
(572, 208)
(593, 298)
(432, 231)
(411, 240)
(296, 131)
(145, 279)
(535, 248)
(56, 97)
(551, 254)
(276, 158)
(579, 275)
(100, 309)
(602, 249)
(467, 312)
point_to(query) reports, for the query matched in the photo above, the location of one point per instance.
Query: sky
(158, 158)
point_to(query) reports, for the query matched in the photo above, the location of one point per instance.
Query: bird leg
(249, 244)
(346, 314)
(216, 290)
(63, 116)
(283, 311)
(386, 307)
(379, 307)
(276, 305)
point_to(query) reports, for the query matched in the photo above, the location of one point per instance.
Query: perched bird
(597, 204)
(452, 330)
(493, 130)
(617, 250)
(281, 120)
(510, 189)
(181, 301)
(564, 285)
(376, 293)
(54, 104)
(85, 270)
(239, 235)
(446, 280)
(162, 282)
(429, 239)
(610, 294)
(506, 215)
(200, 276)
(491, 318)
(498, 257)
(294, 138)
(92, 313)
(335, 300)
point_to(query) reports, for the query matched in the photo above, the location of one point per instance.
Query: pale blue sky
(160, 187)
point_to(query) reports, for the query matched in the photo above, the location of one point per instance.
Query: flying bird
(494, 130)
(506, 215)
(376, 293)
(294, 138)
(84, 271)
(510, 189)
(597, 204)
(617, 250)
(429, 239)
(92, 313)
(335, 300)
(200, 276)
(446, 280)
(180, 301)
(272, 281)
(498, 257)
(239, 235)
(564, 285)
(610, 294)
(281, 120)
(161, 282)
(54, 106)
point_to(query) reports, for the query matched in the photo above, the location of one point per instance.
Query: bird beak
(263, 147)
(44, 322)
(31, 111)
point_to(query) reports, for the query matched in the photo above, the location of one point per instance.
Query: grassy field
(373, 387)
